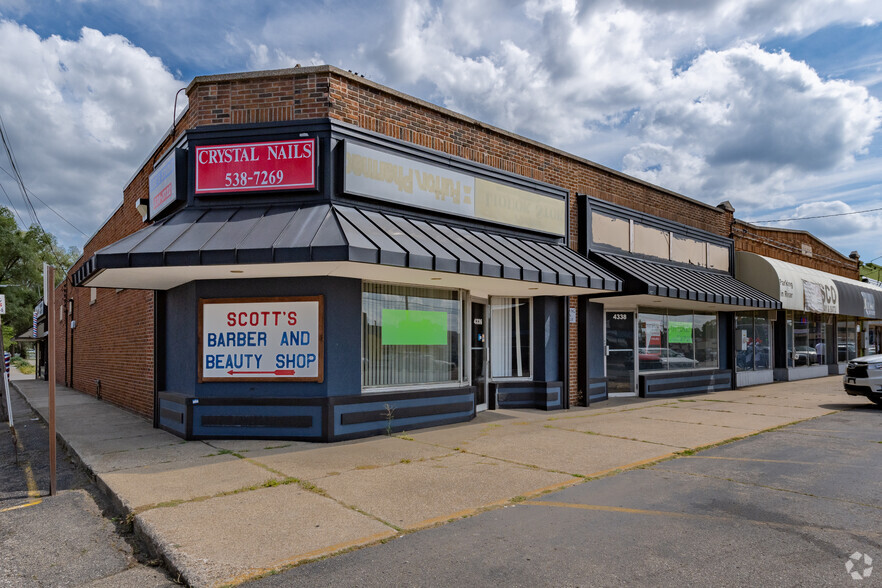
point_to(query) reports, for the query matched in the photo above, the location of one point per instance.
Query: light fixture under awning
(277, 241)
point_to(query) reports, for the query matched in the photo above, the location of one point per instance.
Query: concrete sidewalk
(222, 512)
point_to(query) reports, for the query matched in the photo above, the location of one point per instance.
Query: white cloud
(683, 91)
(680, 93)
(758, 120)
(81, 115)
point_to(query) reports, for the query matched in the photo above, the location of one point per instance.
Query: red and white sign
(261, 339)
(162, 184)
(253, 167)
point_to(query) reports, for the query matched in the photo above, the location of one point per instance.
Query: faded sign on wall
(375, 173)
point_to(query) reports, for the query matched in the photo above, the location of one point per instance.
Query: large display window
(846, 338)
(410, 336)
(510, 337)
(753, 341)
(676, 340)
(806, 345)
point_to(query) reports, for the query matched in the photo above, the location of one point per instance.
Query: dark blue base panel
(597, 390)
(313, 419)
(663, 385)
(542, 395)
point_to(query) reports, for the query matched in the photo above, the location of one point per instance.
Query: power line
(12, 162)
(781, 220)
(24, 192)
(58, 214)
(12, 204)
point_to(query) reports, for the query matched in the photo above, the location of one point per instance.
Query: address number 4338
(258, 178)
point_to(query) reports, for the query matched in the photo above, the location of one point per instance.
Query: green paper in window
(679, 332)
(414, 327)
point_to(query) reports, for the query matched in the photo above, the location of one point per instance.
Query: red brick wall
(113, 338)
(788, 246)
(320, 92)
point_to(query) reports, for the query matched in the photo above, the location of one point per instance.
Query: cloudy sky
(773, 105)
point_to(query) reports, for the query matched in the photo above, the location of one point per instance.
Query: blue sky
(772, 105)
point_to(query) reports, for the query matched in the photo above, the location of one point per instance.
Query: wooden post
(51, 326)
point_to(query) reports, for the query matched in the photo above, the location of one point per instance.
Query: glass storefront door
(620, 368)
(478, 346)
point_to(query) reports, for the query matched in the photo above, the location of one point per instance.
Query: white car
(863, 377)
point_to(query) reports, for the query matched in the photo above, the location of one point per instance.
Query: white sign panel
(382, 175)
(375, 173)
(869, 304)
(163, 182)
(820, 297)
(2, 303)
(263, 339)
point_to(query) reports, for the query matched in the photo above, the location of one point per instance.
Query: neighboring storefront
(669, 331)
(317, 281)
(824, 321)
(38, 338)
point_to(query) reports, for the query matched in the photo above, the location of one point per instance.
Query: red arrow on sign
(274, 372)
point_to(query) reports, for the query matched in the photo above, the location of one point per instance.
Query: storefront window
(753, 343)
(846, 339)
(790, 330)
(674, 340)
(817, 339)
(652, 340)
(410, 335)
(510, 337)
(681, 348)
(808, 347)
(762, 350)
(705, 329)
(744, 342)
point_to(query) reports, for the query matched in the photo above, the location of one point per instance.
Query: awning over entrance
(273, 241)
(808, 290)
(650, 279)
(28, 337)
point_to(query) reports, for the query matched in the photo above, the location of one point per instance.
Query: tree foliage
(22, 253)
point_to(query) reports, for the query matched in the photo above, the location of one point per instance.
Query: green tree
(22, 253)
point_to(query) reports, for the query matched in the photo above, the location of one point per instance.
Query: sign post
(5, 374)
(49, 298)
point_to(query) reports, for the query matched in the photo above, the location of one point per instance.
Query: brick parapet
(798, 247)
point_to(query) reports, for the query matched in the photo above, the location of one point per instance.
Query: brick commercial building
(308, 254)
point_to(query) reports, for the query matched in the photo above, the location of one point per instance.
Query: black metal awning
(672, 281)
(331, 233)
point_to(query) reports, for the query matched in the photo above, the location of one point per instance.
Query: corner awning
(809, 290)
(274, 241)
(651, 282)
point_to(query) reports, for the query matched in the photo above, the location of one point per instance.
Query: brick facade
(113, 339)
(799, 247)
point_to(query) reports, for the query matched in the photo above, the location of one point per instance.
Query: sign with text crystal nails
(256, 167)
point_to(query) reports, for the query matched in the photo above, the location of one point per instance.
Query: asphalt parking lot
(789, 507)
